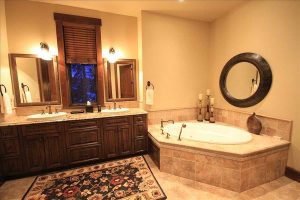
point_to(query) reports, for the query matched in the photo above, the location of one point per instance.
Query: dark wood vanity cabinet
(43, 146)
(34, 148)
(117, 136)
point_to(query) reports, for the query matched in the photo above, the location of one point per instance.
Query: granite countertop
(259, 144)
(22, 120)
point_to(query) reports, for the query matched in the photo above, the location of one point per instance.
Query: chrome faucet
(162, 122)
(168, 135)
(49, 109)
(182, 126)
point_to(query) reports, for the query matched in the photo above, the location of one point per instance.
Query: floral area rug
(128, 179)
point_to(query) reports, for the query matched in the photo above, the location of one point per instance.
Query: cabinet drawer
(116, 121)
(140, 145)
(9, 147)
(73, 125)
(86, 136)
(140, 119)
(140, 130)
(35, 129)
(7, 132)
(83, 154)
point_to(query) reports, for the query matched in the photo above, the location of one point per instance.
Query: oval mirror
(245, 79)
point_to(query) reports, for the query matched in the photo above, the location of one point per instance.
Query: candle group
(211, 100)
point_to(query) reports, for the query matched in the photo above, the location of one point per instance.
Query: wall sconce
(112, 56)
(44, 51)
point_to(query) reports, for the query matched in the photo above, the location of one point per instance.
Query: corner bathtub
(209, 133)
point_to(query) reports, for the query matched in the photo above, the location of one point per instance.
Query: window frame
(60, 19)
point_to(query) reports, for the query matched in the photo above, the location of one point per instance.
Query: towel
(2, 110)
(6, 104)
(149, 96)
(28, 97)
(254, 88)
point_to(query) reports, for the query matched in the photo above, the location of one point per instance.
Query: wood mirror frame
(265, 79)
(108, 86)
(15, 81)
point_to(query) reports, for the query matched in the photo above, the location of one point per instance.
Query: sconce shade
(44, 51)
(112, 56)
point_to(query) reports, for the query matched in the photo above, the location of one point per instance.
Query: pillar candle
(200, 96)
(208, 92)
(212, 101)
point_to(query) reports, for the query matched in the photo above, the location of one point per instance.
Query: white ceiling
(204, 10)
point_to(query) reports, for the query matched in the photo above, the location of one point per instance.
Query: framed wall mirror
(35, 81)
(120, 80)
(245, 79)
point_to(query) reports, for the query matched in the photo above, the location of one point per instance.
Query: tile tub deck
(233, 167)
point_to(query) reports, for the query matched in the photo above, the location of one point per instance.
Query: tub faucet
(162, 122)
(168, 135)
(182, 126)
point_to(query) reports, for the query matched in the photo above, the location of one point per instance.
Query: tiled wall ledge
(271, 126)
(235, 175)
(183, 114)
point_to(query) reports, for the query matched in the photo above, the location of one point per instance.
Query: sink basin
(115, 110)
(46, 116)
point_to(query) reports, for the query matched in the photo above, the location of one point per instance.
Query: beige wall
(29, 23)
(271, 29)
(175, 59)
(4, 63)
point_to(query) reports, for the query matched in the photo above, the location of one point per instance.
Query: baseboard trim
(292, 174)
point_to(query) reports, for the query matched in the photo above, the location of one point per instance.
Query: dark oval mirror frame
(265, 79)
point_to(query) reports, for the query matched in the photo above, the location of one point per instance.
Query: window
(80, 59)
(83, 83)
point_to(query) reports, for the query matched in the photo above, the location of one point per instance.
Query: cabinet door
(53, 150)
(125, 139)
(11, 166)
(110, 140)
(34, 149)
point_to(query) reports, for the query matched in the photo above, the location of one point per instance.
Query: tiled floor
(177, 188)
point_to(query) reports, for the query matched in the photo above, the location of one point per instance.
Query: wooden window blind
(80, 44)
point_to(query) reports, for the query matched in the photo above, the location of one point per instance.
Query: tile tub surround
(184, 114)
(22, 120)
(233, 167)
(271, 126)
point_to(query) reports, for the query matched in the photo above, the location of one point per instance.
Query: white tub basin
(46, 116)
(115, 110)
(209, 133)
